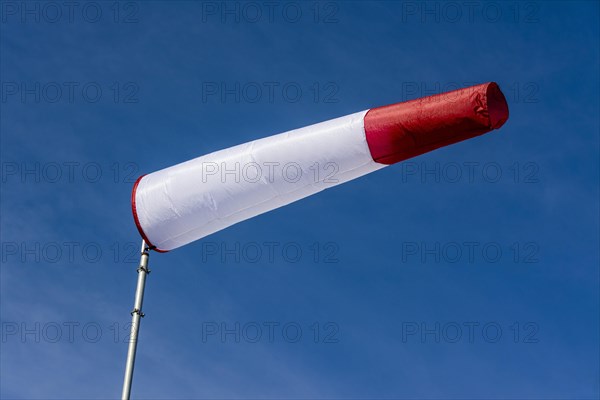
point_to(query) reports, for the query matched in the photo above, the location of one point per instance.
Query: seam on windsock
(357, 119)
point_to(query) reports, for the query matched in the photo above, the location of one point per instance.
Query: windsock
(188, 201)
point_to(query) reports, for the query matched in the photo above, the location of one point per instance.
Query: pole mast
(136, 316)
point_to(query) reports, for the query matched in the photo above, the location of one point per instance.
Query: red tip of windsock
(405, 130)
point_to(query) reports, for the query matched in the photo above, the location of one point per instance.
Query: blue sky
(90, 101)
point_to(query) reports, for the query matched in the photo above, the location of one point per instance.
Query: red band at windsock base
(137, 220)
(405, 130)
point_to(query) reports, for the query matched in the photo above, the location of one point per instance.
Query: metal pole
(136, 315)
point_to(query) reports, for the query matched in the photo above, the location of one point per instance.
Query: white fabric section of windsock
(188, 201)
